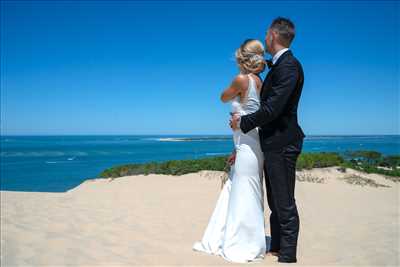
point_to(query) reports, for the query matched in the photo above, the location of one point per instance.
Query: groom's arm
(282, 87)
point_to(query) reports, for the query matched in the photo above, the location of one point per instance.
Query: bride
(236, 228)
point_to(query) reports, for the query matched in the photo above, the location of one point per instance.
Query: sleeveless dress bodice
(251, 105)
(253, 100)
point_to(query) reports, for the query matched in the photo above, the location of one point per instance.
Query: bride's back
(251, 101)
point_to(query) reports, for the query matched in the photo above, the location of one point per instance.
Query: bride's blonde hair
(250, 57)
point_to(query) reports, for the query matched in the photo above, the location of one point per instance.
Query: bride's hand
(232, 158)
(234, 122)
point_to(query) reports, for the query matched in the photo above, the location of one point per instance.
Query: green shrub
(371, 157)
(366, 161)
(172, 167)
(390, 162)
(318, 160)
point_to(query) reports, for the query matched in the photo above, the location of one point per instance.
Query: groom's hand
(234, 122)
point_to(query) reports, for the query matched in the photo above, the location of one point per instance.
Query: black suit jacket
(277, 115)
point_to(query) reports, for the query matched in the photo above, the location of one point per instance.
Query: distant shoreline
(197, 135)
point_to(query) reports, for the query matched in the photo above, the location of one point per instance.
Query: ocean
(59, 163)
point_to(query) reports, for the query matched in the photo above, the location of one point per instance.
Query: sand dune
(154, 220)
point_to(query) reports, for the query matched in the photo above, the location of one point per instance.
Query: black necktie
(269, 63)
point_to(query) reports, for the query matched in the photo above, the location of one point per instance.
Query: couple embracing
(268, 141)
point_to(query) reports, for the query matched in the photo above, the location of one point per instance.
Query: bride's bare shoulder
(241, 82)
(237, 87)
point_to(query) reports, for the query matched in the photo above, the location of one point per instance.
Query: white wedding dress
(236, 228)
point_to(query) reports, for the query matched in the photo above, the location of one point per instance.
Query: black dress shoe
(287, 260)
(276, 250)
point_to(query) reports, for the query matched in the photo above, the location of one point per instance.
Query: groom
(281, 137)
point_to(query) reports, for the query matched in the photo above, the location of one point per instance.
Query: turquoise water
(59, 163)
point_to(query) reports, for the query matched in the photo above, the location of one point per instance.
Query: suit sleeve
(283, 84)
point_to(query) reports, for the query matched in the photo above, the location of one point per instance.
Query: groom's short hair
(285, 29)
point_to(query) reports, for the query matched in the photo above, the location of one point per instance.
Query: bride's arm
(236, 88)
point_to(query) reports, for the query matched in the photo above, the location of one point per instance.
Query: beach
(155, 219)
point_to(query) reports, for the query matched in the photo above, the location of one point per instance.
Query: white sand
(154, 220)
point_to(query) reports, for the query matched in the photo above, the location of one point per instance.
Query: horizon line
(114, 134)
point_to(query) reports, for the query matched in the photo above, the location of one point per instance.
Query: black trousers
(280, 177)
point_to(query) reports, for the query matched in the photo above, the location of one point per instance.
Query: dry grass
(362, 181)
(306, 177)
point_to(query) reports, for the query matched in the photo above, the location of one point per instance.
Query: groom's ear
(274, 34)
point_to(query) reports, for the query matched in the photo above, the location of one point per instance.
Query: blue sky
(159, 67)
